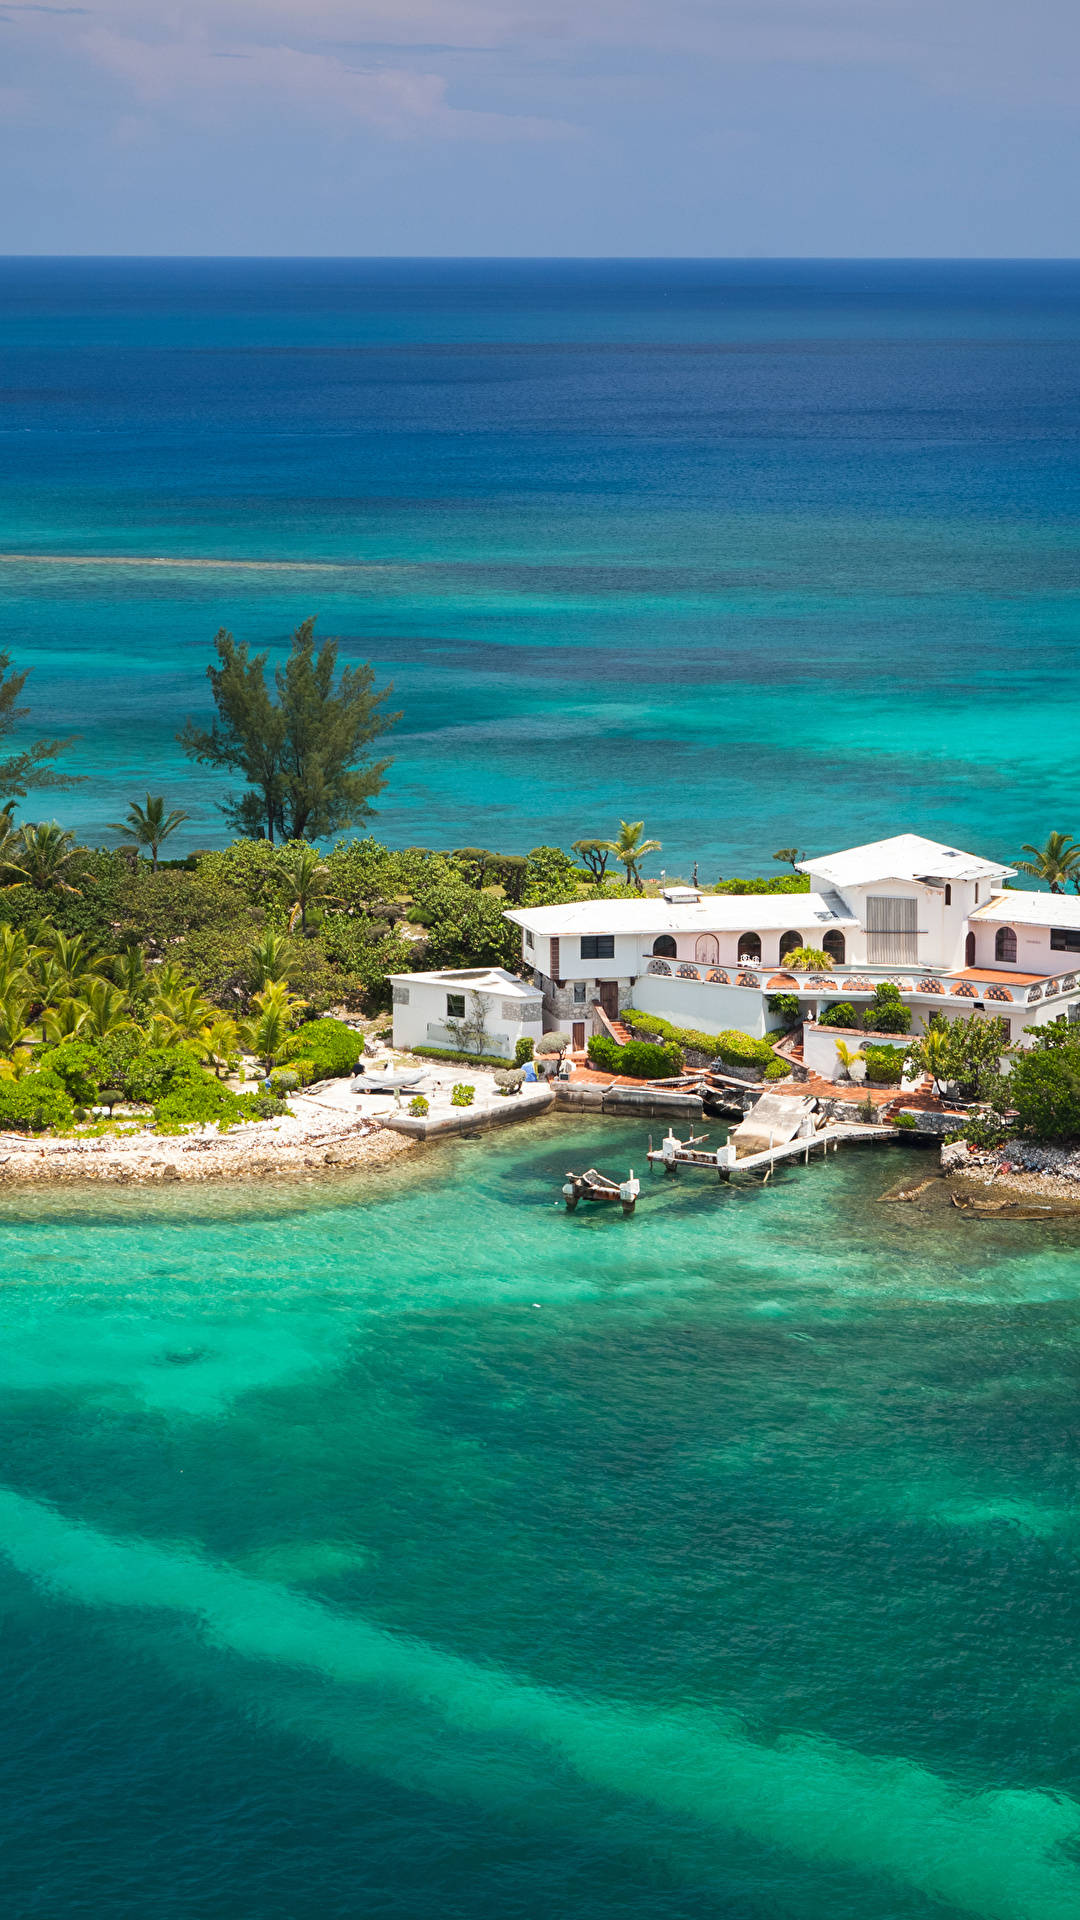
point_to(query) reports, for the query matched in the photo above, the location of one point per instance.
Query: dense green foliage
(841, 1014)
(331, 1046)
(731, 1046)
(777, 1069)
(638, 1059)
(463, 1094)
(884, 1065)
(34, 1103)
(964, 1053)
(766, 883)
(460, 1059)
(1044, 1088)
(886, 1012)
(787, 1006)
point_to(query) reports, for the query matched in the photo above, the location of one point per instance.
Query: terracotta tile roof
(989, 977)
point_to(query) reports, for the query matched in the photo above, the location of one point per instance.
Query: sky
(541, 127)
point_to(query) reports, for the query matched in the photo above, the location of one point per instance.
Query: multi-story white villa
(941, 924)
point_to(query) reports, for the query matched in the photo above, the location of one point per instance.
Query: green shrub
(158, 1071)
(767, 883)
(786, 1005)
(461, 1059)
(553, 1043)
(884, 1065)
(737, 1049)
(201, 1102)
(79, 1065)
(906, 1121)
(110, 1097)
(523, 1051)
(36, 1102)
(305, 1071)
(284, 1080)
(418, 1106)
(509, 1079)
(639, 1059)
(843, 1014)
(777, 1069)
(1044, 1087)
(886, 1012)
(984, 1130)
(866, 1109)
(332, 1047)
(605, 1053)
(265, 1106)
(462, 1095)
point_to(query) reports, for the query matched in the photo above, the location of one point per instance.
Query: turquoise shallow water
(408, 1547)
(762, 550)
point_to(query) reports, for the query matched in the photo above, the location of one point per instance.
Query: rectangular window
(579, 993)
(529, 941)
(598, 946)
(892, 938)
(455, 1006)
(1064, 940)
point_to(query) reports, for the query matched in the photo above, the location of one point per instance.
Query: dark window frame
(1004, 939)
(598, 946)
(455, 1006)
(1065, 939)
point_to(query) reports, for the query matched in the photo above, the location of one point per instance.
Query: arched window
(834, 945)
(969, 950)
(664, 946)
(707, 950)
(1005, 944)
(788, 943)
(749, 946)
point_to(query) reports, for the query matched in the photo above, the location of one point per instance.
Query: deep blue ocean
(761, 551)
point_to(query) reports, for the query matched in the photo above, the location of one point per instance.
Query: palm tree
(106, 1010)
(149, 826)
(807, 960)
(630, 849)
(222, 1042)
(66, 1020)
(15, 1026)
(848, 1057)
(1056, 863)
(129, 970)
(269, 1027)
(305, 874)
(271, 958)
(40, 856)
(932, 1053)
(183, 1015)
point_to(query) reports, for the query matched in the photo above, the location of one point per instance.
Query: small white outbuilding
(466, 1010)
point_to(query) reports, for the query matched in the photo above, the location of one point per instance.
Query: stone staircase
(615, 1029)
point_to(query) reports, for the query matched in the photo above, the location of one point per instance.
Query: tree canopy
(32, 765)
(303, 757)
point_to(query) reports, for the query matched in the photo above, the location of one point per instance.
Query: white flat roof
(907, 856)
(473, 980)
(713, 913)
(1032, 909)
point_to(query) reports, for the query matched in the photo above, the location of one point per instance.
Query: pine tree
(19, 772)
(304, 757)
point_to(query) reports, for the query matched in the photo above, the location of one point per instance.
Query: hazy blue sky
(534, 127)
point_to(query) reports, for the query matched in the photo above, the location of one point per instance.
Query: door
(608, 994)
(577, 1036)
(969, 950)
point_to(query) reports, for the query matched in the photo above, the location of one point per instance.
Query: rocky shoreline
(1019, 1167)
(271, 1150)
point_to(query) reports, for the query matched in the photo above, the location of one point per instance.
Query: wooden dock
(725, 1161)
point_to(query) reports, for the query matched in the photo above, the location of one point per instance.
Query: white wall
(694, 1003)
(1033, 950)
(421, 1020)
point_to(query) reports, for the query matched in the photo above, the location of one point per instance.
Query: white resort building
(941, 924)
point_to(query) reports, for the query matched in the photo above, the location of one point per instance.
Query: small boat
(592, 1185)
(394, 1080)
